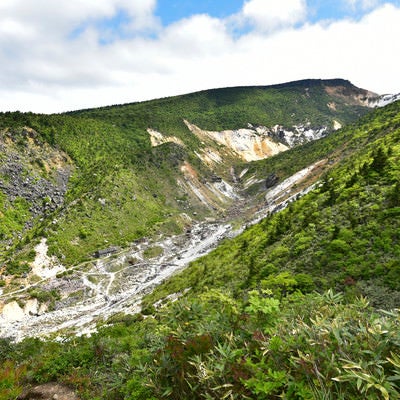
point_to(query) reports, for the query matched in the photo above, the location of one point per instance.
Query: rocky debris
(272, 180)
(209, 156)
(33, 171)
(300, 134)
(43, 265)
(382, 101)
(215, 178)
(49, 391)
(44, 195)
(31, 307)
(214, 194)
(287, 187)
(117, 284)
(14, 311)
(235, 178)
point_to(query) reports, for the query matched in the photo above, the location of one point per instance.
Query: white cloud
(61, 17)
(197, 36)
(43, 69)
(268, 15)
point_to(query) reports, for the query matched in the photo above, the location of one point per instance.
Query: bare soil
(49, 391)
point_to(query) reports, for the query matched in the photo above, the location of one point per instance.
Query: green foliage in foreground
(214, 347)
(13, 216)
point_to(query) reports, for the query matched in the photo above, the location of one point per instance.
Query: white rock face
(383, 100)
(250, 144)
(299, 135)
(284, 187)
(336, 125)
(43, 309)
(43, 265)
(31, 307)
(13, 312)
(209, 156)
(257, 143)
(158, 138)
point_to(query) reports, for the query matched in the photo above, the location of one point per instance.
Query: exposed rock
(336, 125)
(382, 101)
(213, 193)
(34, 171)
(215, 178)
(43, 265)
(31, 307)
(300, 134)
(42, 309)
(257, 143)
(13, 312)
(271, 180)
(158, 138)
(209, 156)
(249, 144)
(116, 284)
(49, 391)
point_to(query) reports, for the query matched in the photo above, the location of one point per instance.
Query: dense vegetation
(111, 156)
(278, 312)
(108, 163)
(231, 108)
(213, 346)
(345, 234)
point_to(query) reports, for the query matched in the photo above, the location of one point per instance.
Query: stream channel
(116, 284)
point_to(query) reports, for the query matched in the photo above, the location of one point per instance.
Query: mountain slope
(344, 234)
(316, 101)
(188, 176)
(245, 321)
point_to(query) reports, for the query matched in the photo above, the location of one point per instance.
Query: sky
(66, 55)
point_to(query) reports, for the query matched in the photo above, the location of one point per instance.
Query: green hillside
(119, 187)
(343, 235)
(277, 312)
(232, 108)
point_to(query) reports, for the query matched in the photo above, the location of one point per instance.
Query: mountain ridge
(297, 83)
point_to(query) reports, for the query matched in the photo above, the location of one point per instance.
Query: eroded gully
(117, 283)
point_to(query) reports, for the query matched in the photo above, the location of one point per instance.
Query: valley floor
(94, 292)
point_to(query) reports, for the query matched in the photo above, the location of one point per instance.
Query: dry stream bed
(97, 290)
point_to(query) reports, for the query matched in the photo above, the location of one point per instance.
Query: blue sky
(70, 54)
(174, 10)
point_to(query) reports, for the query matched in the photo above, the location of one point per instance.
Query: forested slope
(108, 157)
(343, 235)
(277, 312)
